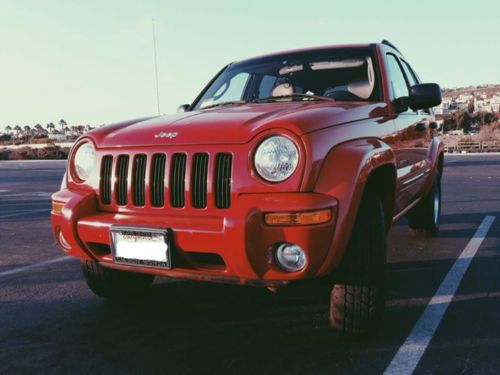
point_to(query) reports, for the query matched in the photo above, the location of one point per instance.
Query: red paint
(340, 145)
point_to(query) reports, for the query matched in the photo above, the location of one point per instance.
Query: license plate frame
(141, 236)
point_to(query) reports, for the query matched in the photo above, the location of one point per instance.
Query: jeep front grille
(139, 180)
(177, 180)
(157, 184)
(199, 172)
(143, 180)
(122, 179)
(223, 180)
(105, 186)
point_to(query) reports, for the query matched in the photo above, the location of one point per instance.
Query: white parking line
(34, 265)
(29, 194)
(409, 354)
(22, 213)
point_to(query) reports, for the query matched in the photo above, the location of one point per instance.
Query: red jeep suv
(286, 167)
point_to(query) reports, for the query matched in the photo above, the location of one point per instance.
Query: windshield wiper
(223, 104)
(292, 96)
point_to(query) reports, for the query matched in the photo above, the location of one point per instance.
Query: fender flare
(344, 174)
(435, 155)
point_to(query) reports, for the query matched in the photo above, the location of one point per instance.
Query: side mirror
(183, 108)
(424, 96)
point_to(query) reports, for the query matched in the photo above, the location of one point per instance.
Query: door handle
(421, 126)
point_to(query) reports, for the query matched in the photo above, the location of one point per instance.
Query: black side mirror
(183, 108)
(424, 96)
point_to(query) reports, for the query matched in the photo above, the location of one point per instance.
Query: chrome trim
(414, 178)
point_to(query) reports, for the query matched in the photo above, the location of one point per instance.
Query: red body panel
(340, 145)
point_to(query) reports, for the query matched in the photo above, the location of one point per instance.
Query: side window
(409, 73)
(396, 77)
(229, 90)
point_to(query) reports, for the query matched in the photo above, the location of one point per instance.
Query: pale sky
(91, 61)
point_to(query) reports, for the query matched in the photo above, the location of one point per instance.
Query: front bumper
(232, 246)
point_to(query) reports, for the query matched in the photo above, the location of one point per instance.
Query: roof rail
(387, 43)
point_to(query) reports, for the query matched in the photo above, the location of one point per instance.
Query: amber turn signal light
(298, 218)
(57, 207)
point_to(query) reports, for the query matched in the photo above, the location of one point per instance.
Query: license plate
(148, 247)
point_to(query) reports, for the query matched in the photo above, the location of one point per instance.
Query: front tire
(425, 217)
(358, 297)
(115, 284)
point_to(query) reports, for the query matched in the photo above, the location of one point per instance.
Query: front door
(412, 137)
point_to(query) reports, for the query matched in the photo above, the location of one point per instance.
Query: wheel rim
(436, 207)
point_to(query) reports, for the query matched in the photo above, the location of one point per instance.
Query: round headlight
(83, 161)
(276, 158)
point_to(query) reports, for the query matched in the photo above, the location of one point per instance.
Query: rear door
(412, 136)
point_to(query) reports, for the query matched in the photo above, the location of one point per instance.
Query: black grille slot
(106, 166)
(199, 172)
(177, 176)
(222, 184)
(138, 179)
(121, 179)
(157, 185)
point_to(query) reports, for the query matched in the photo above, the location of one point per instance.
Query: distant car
(286, 167)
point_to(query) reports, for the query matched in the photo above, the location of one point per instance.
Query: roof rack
(387, 43)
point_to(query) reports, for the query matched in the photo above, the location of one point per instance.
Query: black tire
(114, 284)
(425, 217)
(357, 299)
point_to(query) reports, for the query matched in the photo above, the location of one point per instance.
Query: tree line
(466, 120)
(39, 131)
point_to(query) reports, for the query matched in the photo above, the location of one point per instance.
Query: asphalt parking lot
(50, 322)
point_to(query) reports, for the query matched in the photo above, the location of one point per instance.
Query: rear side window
(414, 74)
(396, 77)
(412, 80)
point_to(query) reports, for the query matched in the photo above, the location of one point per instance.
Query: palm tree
(39, 130)
(8, 129)
(50, 126)
(63, 124)
(27, 132)
(18, 129)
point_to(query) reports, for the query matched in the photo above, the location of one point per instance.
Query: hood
(231, 125)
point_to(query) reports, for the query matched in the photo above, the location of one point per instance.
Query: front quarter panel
(343, 175)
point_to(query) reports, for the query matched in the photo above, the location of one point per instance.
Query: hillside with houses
(472, 111)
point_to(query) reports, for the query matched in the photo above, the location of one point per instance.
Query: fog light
(290, 257)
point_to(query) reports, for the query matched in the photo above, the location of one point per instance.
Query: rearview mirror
(424, 96)
(183, 108)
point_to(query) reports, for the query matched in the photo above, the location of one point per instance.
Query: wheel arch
(346, 172)
(382, 181)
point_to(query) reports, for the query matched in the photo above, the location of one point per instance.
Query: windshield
(335, 74)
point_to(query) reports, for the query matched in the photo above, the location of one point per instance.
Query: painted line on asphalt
(409, 354)
(22, 213)
(34, 265)
(7, 162)
(39, 194)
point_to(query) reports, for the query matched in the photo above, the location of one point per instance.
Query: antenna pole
(156, 67)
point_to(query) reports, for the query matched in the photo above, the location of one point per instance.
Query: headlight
(276, 158)
(83, 161)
